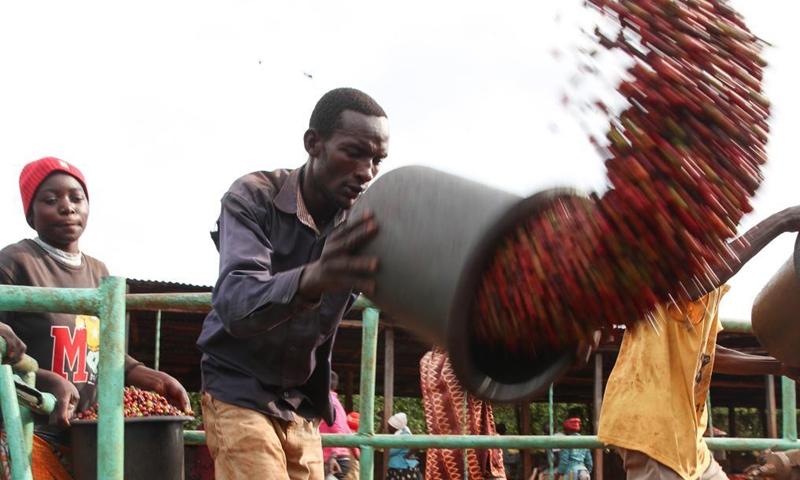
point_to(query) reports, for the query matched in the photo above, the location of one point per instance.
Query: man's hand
(161, 383)
(66, 395)
(338, 267)
(15, 347)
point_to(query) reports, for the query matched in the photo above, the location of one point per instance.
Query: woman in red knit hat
(55, 202)
(574, 463)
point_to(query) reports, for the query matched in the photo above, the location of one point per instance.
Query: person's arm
(589, 461)
(250, 298)
(15, 347)
(563, 461)
(738, 363)
(411, 453)
(745, 247)
(141, 376)
(65, 393)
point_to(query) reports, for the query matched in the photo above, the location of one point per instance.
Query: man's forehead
(355, 123)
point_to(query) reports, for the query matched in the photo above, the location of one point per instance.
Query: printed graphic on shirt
(76, 354)
(702, 384)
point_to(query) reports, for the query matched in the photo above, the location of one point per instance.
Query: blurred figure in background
(654, 406)
(445, 414)
(511, 457)
(574, 463)
(403, 463)
(337, 455)
(353, 420)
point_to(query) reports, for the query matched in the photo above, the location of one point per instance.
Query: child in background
(353, 419)
(574, 463)
(55, 202)
(403, 463)
(337, 459)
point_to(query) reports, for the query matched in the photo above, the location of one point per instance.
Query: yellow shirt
(656, 395)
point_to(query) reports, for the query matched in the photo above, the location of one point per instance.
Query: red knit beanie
(353, 420)
(572, 425)
(34, 174)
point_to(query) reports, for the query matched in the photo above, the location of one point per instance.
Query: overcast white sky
(164, 104)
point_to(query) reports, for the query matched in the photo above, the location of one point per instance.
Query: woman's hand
(66, 395)
(15, 347)
(161, 383)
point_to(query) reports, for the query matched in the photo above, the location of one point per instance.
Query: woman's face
(60, 211)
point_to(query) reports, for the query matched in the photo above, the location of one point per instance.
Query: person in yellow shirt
(654, 406)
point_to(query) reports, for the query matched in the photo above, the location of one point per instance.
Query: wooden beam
(527, 464)
(772, 416)
(405, 371)
(597, 471)
(348, 389)
(388, 387)
(347, 323)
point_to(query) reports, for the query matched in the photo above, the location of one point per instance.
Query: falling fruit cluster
(683, 159)
(139, 403)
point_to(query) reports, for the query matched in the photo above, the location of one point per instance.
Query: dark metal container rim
(477, 262)
(150, 419)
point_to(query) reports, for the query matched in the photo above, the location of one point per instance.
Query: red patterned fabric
(443, 398)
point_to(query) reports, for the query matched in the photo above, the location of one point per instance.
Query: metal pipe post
(157, 360)
(538, 442)
(110, 420)
(772, 419)
(550, 455)
(789, 405)
(12, 421)
(169, 302)
(15, 298)
(388, 385)
(597, 474)
(366, 462)
(369, 350)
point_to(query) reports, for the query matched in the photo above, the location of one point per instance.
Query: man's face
(351, 157)
(60, 211)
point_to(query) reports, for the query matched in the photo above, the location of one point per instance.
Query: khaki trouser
(353, 473)
(639, 466)
(247, 444)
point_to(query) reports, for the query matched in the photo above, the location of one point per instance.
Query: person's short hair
(500, 428)
(327, 113)
(334, 380)
(576, 412)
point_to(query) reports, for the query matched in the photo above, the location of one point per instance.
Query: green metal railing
(109, 303)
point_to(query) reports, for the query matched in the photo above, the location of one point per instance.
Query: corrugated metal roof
(160, 286)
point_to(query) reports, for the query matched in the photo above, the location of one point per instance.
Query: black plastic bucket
(437, 233)
(153, 448)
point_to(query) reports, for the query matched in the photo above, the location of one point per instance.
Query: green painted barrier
(109, 303)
